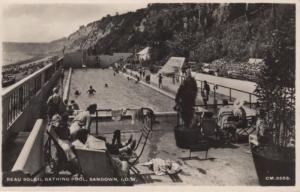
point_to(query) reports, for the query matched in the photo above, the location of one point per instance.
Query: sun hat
(238, 103)
(55, 90)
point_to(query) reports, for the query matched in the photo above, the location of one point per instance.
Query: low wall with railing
(31, 159)
(67, 85)
(231, 88)
(24, 102)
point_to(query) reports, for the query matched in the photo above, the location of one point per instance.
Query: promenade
(169, 88)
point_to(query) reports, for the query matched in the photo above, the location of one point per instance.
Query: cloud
(47, 22)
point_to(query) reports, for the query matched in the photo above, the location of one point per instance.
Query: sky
(48, 22)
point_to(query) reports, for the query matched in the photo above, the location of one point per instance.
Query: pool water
(121, 93)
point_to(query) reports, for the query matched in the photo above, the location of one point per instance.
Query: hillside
(200, 32)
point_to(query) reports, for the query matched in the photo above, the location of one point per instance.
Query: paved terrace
(230, 165)
(226, 165)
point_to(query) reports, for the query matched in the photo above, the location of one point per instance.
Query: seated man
(74, 105)
(116, 147)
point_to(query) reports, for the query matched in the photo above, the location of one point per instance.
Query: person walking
(160, 77)
(205, 93)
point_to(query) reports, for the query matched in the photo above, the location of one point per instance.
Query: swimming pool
(121, 93)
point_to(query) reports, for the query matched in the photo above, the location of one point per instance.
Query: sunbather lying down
(163, 167)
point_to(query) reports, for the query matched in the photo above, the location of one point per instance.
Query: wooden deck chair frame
(204, 128)
(48, 155)
(231, 120)
(145, 132)
(250, 122)
(147, 120)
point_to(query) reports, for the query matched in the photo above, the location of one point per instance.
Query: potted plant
(275, 161)
(186, 131)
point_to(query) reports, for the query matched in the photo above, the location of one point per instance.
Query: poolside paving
(226, 165)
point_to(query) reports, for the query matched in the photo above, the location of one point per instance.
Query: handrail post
(250, 100)
(96, 122)
(201, 84)
(215, 101)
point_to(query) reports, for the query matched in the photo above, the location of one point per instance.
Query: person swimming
(77, 93)
(91, 91)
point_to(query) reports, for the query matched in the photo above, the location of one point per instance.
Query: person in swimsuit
(82, 120)
(77, 93)
(91, 91)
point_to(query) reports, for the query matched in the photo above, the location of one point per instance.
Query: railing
(67, 86)
(229, 92)
(146, 116)
(251, 96)
(18, 96)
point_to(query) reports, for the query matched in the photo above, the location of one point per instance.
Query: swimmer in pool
(77, 93)
(91, 91)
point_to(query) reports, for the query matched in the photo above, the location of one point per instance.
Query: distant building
(144, 54)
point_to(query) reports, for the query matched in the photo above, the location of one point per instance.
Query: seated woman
(224, 112)
(60, 133)
(83, 120)
(239, 111)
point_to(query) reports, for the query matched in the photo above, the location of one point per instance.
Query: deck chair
(146, 117)
(139, 149)
(230, 126)
(248, 128)
(61, 164)
(202, 144)
(209, 128)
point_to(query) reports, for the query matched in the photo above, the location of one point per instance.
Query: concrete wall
(92, 61)
(73, 59)
(31, 158)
